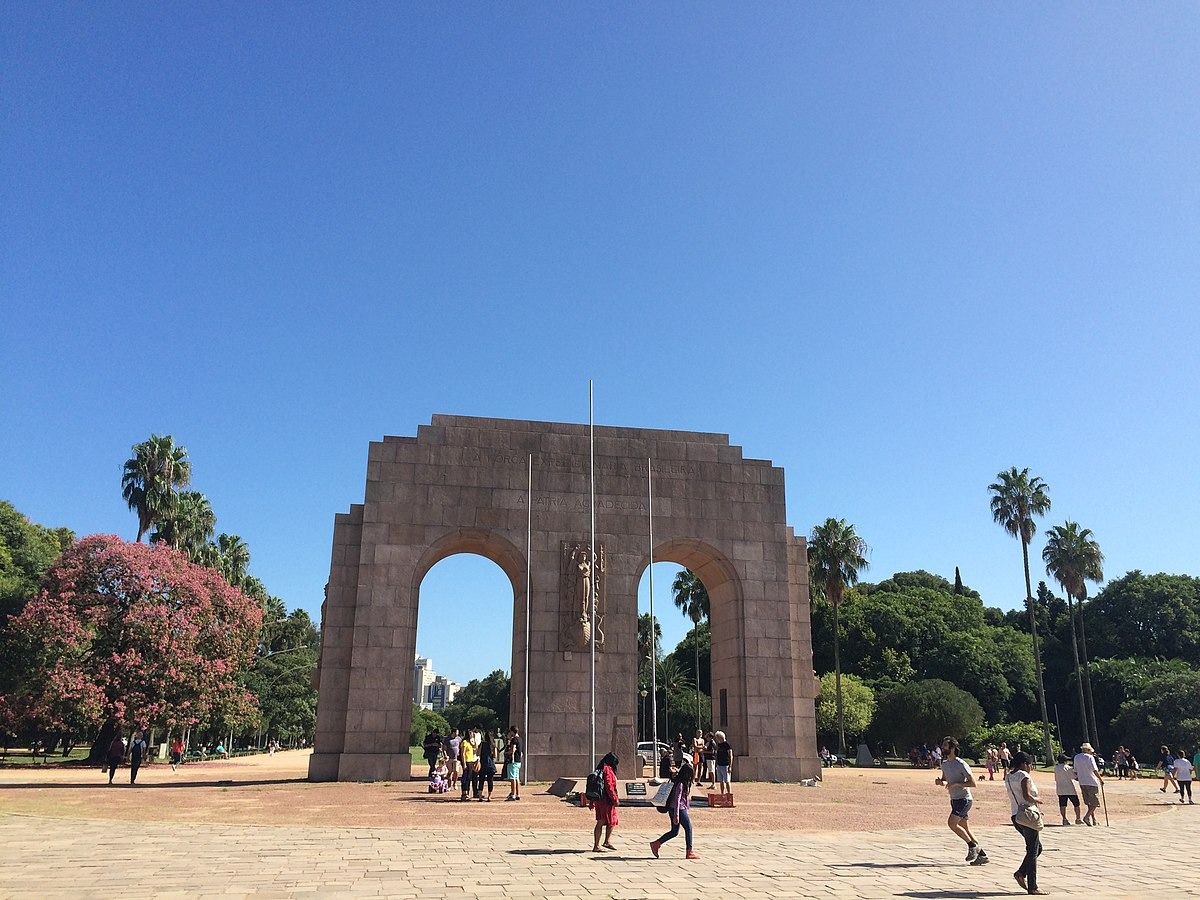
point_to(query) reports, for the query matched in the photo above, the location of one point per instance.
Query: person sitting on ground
(438, 781)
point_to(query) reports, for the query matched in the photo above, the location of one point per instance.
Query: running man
(956, 777)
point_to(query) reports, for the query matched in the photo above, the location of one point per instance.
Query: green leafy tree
(695, 652)
(1119, 680)
(858, 706)
(150, 478)
(1015, 734)
(676, 690)
(1016, 498)
(1141, 615)
(1073, 558)
(425, 721)
(925, 712)
(26, 552)
(691, 598)
(1166, 711)
(483, 702)
(835, 557)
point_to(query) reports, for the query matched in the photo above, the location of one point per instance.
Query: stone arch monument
(461, 486)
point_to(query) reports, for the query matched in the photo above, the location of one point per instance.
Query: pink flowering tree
(135, 635)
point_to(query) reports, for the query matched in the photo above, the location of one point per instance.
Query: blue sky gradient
(894, 250)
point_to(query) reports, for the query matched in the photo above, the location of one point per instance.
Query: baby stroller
(439, 781)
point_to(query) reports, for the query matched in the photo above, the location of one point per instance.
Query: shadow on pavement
(955, 893)
(880, 865)
(538, 851)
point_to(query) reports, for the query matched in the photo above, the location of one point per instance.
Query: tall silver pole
(592, 554)
(653, 655)
(528, 606)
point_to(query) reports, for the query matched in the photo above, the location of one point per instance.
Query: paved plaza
(65, 834)
(41, 857)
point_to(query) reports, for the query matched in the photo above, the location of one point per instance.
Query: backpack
(595, 786)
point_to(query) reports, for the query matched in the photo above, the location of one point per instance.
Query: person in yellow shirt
(470, 773)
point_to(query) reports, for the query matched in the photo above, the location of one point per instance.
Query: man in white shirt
(1087, 773)
(957, 778)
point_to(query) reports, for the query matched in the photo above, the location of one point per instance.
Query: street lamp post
(642, 692)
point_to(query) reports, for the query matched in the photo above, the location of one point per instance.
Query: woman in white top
(1183, 775)
(1023, 792)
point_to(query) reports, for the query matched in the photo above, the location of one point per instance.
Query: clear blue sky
(892, 249)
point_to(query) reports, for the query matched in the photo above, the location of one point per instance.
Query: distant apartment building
(430, 690)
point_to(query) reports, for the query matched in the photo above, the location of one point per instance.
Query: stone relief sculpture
(580, 582)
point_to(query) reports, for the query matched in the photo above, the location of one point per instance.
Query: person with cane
(1087, 773)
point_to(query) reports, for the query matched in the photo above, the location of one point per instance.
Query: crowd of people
(469, 763)
(1084, 769)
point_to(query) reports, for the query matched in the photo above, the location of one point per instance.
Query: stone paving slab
(47, 857)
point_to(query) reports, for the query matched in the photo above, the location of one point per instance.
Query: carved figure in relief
(582, 586)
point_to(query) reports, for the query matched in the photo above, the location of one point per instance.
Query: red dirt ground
(272, 789)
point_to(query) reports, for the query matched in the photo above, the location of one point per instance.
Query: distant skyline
(894, 250)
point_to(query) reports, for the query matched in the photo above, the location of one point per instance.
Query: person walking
(1087, 773)
(137, 752)
(1023, 792)
(1166, 762)
(606, 806)
(513, 757)
(678, 803)
(956, 777)
(1183, 775)
(1064, 786)
(176, 753)
(113, 755)
(724, 761)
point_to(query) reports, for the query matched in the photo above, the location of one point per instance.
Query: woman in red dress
(606, 807)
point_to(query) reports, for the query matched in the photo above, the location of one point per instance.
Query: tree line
(100, 634)
(915, 656)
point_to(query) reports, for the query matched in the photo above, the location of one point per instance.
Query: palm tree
(150, 477)
(671, 678)
(1073, 558)
(1016, 498)
(189, 526)
(233, 558)
(691, 598)
(835, 557)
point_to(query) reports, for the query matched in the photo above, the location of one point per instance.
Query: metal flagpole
(653, 660)
(528, 607)
(592, 555)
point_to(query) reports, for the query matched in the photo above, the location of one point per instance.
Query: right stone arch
(761, 696)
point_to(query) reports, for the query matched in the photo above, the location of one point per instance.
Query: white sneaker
(972, 853)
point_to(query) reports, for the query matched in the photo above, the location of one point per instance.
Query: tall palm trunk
(696, 648)
(1078, 671)
(1037, 653)
(837, 674)
(1087, 677)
